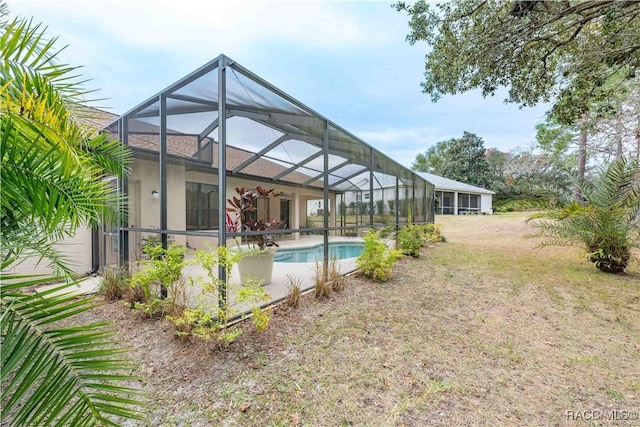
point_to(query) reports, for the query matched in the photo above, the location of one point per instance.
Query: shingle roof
(443, 183)
(145, 136)
(94, 117)
(187, 146)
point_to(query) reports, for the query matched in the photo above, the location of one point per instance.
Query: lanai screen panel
(190, 108)
(384, 184)
(405, 195)
(294, 151)
(338, 179)
(420, 192)
(384, 191)
(269, 136)
(334, 161)
(146, 186)
(201, 88)
(354, 174)
(279, 137)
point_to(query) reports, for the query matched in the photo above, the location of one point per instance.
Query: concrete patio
(284, 273)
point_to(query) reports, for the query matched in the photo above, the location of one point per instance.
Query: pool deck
(284, 272)
(303, 273)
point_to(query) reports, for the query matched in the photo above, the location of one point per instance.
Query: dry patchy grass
(482, 330)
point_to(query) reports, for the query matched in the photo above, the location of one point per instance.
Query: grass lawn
(482, 330)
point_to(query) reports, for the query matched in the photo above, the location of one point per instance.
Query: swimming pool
(338, 250)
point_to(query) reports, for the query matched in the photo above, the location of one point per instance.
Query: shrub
(151, 246)
(294, 285)
(113, 285)
(202, 324)
(504, 206)
(409, 240)
(387, 231)
(160, 274)
(605, 223)
(377, 259)
(328, 278)
(210, 320)
(260, 319)
(323, 285)
(335, 277)
(431, 233)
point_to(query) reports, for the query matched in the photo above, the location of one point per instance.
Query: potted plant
(258, 263)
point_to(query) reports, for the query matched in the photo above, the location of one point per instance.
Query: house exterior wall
(146, 173)
(144, 212)
(75, 250)
(450, 202)
(486, 203)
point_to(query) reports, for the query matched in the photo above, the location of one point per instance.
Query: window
(474, 202)
(202, 206)
(446, 202)
(463, 201)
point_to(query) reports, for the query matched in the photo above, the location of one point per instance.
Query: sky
(347, 60)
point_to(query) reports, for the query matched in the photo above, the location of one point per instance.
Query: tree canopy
(613, 128)
(462, 159)
(540, 51)
(532, 178)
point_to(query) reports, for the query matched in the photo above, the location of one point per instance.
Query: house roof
(94, 117)
(442, 183)
(144, 136)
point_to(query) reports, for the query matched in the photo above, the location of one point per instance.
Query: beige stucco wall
(75, 250)
(144, 212)
(146, 175)
(297, 215)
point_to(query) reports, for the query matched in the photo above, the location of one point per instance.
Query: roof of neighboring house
(443, 183)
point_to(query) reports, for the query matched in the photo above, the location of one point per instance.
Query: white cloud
(404, 142)
(192, 25)
(347, 60)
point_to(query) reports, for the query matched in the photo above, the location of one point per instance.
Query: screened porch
(223, 117)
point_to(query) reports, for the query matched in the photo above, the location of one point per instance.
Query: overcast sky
(347, 60)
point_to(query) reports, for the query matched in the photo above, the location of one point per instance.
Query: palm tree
(606, 224)
(51, 170)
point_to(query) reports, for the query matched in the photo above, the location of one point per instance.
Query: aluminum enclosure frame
(295, 145)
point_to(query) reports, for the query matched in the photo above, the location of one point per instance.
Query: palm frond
(4, 13)
(81, 376)
(44, 179)
(51, 174)
(30, 58)
(606, 224)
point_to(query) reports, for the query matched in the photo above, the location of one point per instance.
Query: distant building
(458, 198)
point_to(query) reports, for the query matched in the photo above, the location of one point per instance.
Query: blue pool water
(338, 250)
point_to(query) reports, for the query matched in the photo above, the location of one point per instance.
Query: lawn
(482, 330)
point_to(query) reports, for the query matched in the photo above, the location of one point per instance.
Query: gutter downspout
(95, 252)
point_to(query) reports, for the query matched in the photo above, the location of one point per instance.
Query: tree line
(583, 57)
